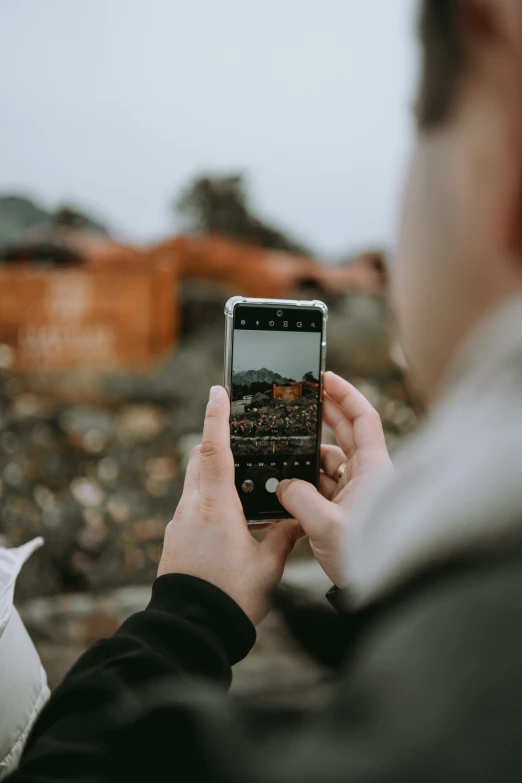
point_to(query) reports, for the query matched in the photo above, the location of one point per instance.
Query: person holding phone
(425, 558)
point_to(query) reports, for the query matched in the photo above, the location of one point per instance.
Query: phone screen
(275, 418)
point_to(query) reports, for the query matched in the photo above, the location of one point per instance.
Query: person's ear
(491, 32)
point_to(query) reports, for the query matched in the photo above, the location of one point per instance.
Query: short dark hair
(442, 62)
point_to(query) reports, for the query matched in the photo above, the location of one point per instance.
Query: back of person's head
(461, 232)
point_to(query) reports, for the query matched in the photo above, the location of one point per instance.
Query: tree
(220, 205)
(67, 216)
(309, 376)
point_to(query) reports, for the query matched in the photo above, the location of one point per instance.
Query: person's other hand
(208, 536)
(362, 450)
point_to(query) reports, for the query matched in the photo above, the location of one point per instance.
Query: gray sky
(116, 104)
(291, 354)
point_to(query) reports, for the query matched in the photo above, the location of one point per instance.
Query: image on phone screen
(275, 402)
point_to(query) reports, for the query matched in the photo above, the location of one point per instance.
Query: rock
(94, 441)
(358, 339)
(85, 492)
(88, 428)
(161, 468)
(149, 529)
(9, 442)
(139, 423)
(44, 497)
(63, 626)
(31, 405)
(41, 435)
(258, 401)
(158, 489)
(13, 474)
(118, 509)
(108, 470)
(134, 560)
(81, 419)
(95, 531)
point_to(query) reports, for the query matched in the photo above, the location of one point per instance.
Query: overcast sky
(116, 104)
(291, 354)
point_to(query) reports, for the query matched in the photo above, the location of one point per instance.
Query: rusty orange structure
(286, 393)
(244, 269)
(292, 391)
(57, 319)
(119, 305)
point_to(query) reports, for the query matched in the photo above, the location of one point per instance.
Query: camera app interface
(274, 421)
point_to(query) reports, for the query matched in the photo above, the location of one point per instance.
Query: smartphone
(275, 352)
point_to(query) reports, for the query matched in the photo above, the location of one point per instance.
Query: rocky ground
(95, 465)
(62, 627)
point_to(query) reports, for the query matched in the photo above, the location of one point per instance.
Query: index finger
(217, 465)
(365, 422)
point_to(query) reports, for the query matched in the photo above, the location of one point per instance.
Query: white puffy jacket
(23, 684)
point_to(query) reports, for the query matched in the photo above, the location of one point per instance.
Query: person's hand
(208, 536)
(361, 455)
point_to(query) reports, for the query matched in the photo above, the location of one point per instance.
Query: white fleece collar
(458, 481)
(11, 562)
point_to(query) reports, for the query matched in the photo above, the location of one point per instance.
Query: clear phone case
(229, 334)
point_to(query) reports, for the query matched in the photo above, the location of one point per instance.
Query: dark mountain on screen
(248, 377)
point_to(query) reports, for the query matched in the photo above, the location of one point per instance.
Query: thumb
(302, 500)
(281, 538)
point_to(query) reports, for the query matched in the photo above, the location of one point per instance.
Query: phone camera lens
(280, 313)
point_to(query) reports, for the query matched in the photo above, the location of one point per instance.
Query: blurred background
(156, 158)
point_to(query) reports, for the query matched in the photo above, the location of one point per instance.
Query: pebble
(134, 560)
(29, 405)
(9, 442)
(51, 518)
(149, 528)
(140, 423)
(161, 468)
(86, 492)
(94, 441)
(94, 532)
(44, 497)
(81, 419)
(158, 489)
(108, 469)
(118, 509)
(41, 435)
(13, 474)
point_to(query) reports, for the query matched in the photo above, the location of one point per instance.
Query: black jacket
(429, 688)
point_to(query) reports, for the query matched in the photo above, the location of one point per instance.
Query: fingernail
(214, 391)
(282, 484)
